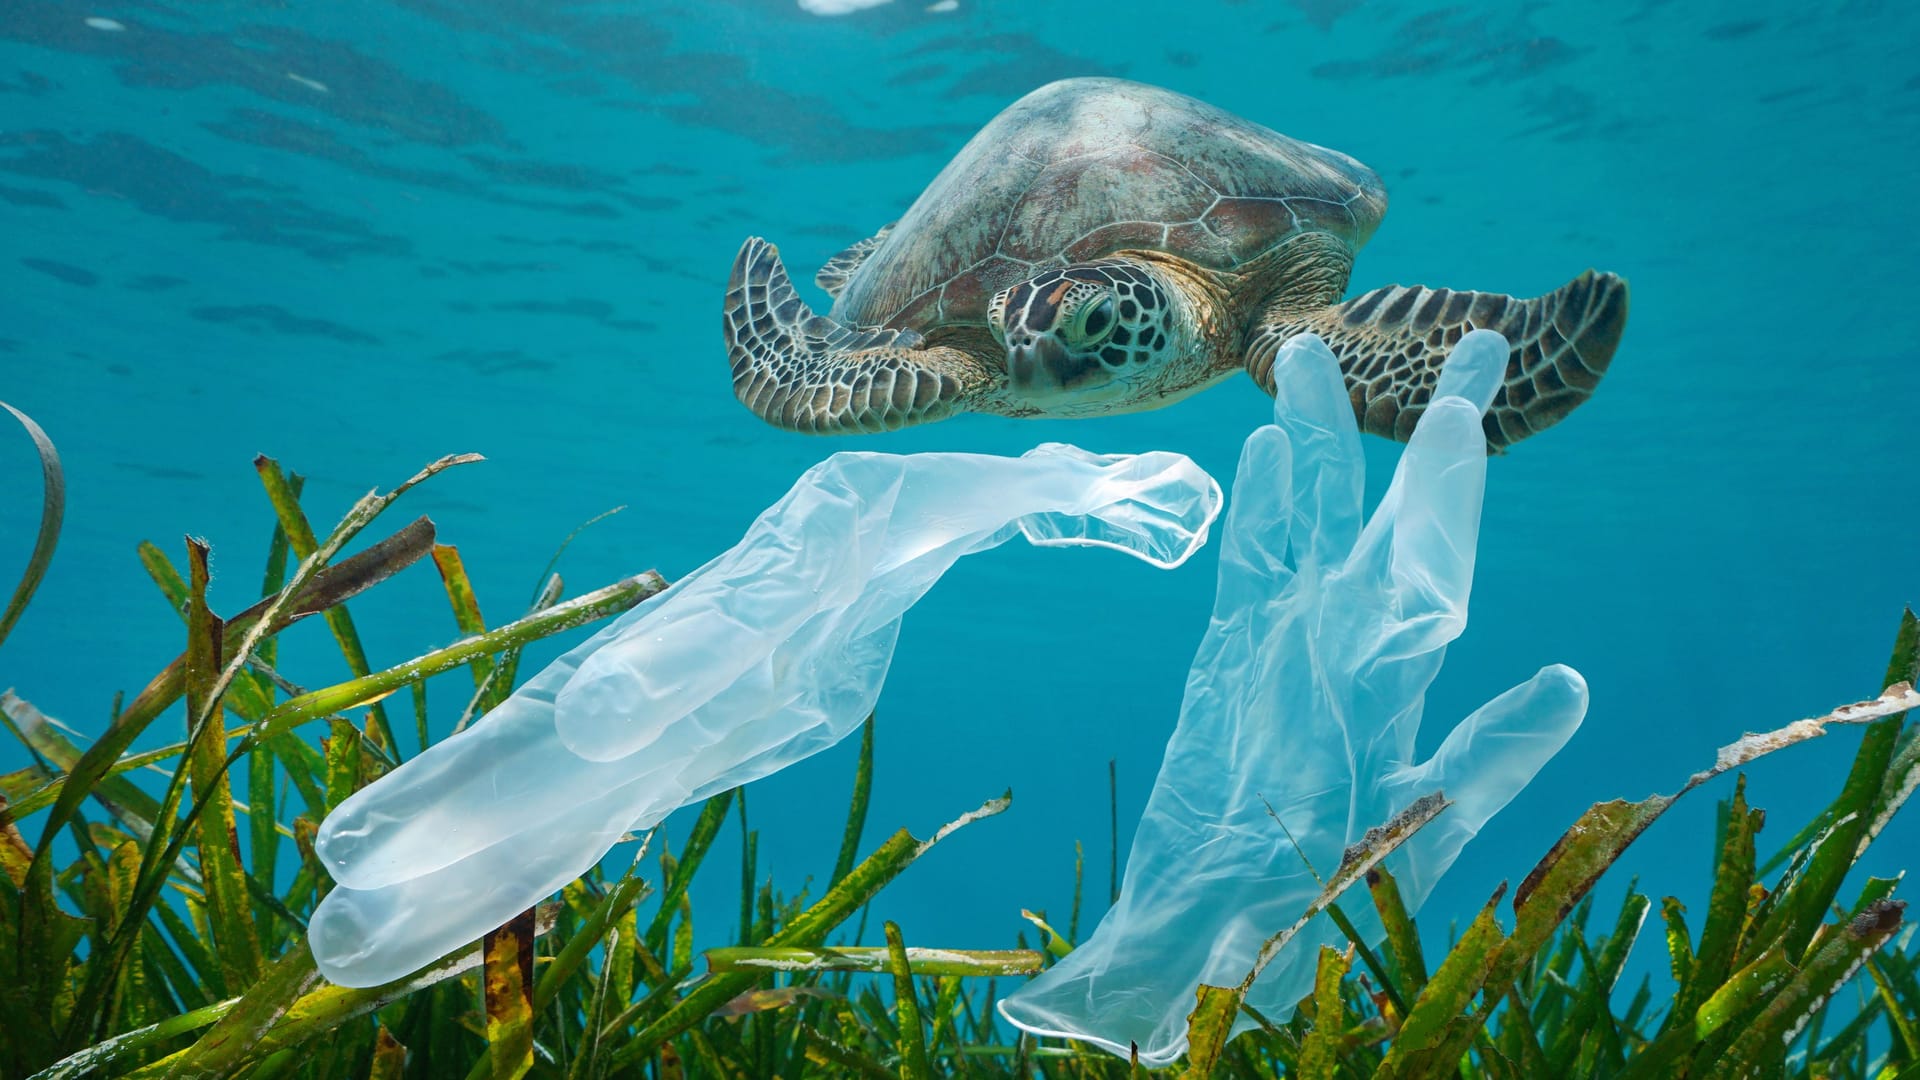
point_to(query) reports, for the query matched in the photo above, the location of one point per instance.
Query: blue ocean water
(358, 237)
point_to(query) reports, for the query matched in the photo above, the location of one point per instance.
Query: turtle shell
(1081, 168)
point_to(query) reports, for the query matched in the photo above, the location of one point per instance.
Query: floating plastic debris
(311, 84)
(1303, 704)
(771, 652)
(111, 26)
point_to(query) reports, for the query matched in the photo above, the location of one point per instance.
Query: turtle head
(1087, 332)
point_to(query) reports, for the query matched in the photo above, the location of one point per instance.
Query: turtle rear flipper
(805, 372)
(833, 276)
(1392, 340)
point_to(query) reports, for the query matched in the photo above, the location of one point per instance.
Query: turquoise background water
(358, 236)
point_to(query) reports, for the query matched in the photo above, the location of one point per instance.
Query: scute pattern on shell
(1082, 168)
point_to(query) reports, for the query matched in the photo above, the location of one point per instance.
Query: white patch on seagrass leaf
(986, 810)
(1895, 798)
(1895, 699)
(1800, 1022)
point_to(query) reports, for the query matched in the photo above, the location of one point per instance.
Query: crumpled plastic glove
(1306, 695)
(771, 652)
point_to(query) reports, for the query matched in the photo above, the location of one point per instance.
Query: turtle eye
(1094, 321)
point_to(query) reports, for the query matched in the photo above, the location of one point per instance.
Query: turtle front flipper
(805, 372)
(1392, 340)
(834, 276)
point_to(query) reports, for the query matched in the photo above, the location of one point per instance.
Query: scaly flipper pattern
(807, 373)
(1391, 342)
(833, 276)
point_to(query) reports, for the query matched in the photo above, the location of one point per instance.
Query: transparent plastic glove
(769, 653)
(1306, 695)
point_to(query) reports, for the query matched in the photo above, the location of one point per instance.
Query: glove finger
(1486, 761)
(1311, 404)
(1474, 368)
(365, 937)
(1422, 540)
(1253, 551)
(466, 792)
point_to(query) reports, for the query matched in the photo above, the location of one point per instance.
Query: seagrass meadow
(258, 257)
(153, 903)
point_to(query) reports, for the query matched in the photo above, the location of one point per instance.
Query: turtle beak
(1037, 366)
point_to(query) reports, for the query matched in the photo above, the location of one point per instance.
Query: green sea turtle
(1103, 246)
